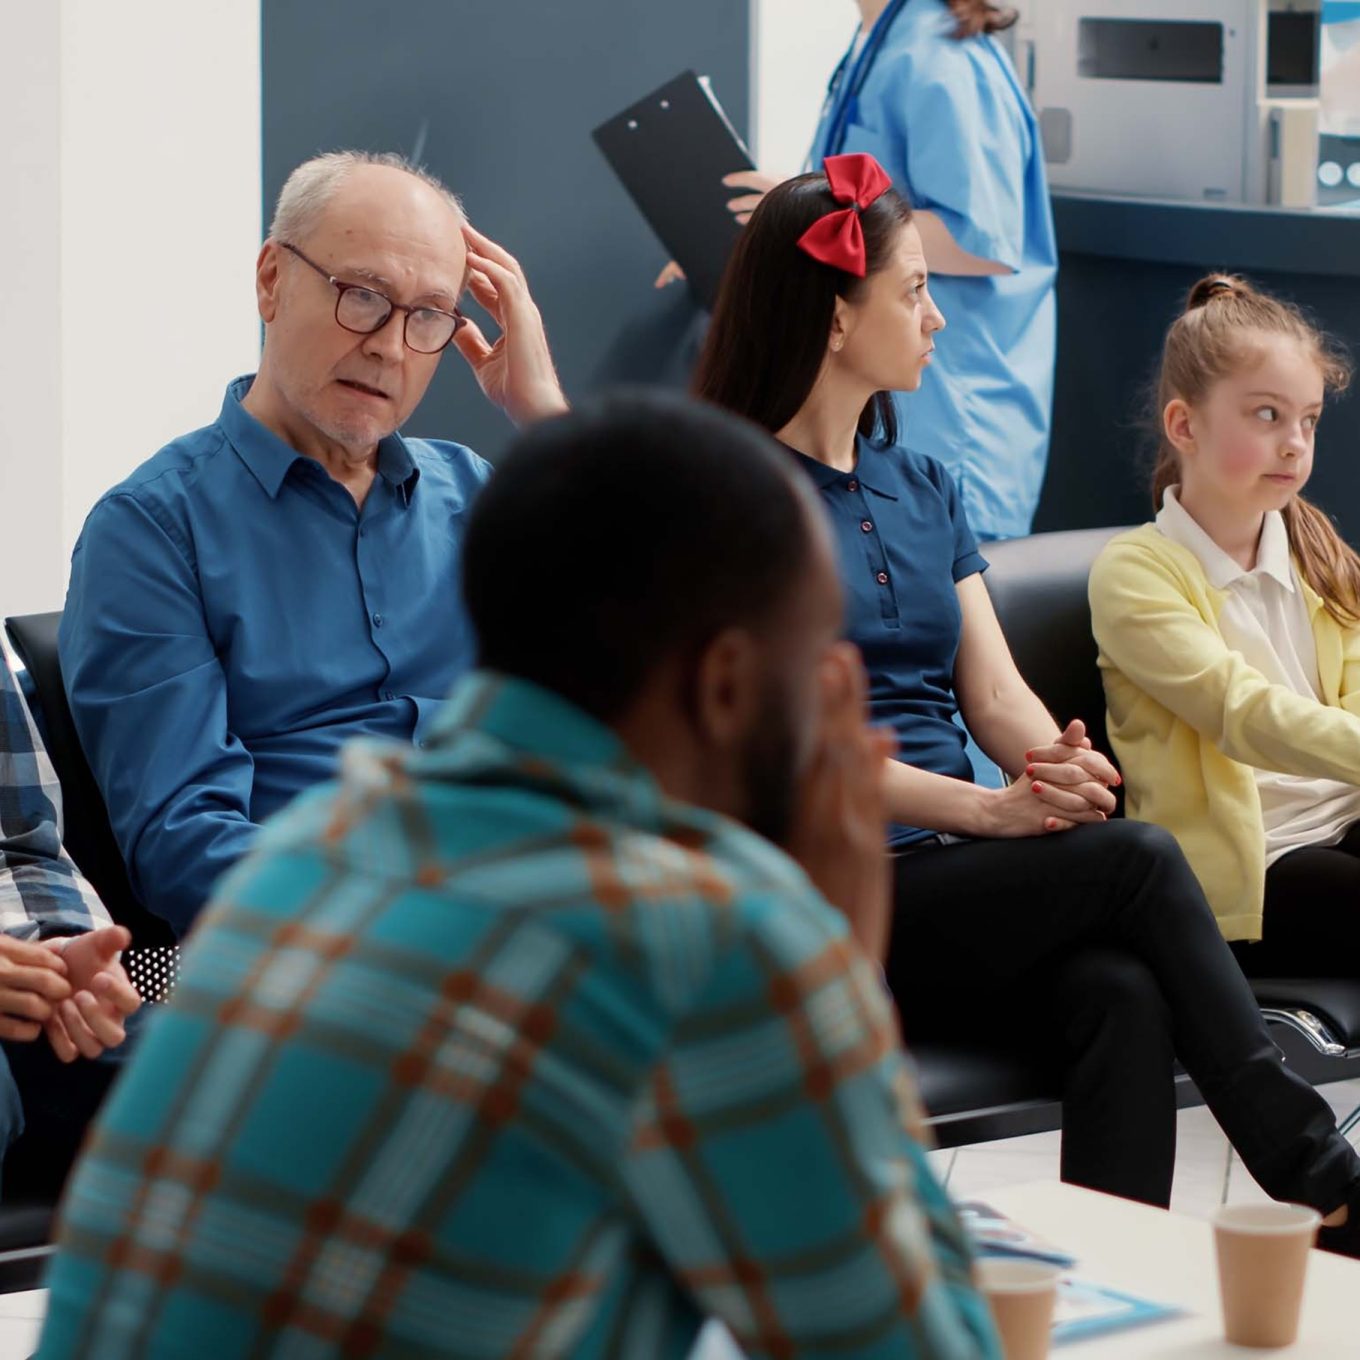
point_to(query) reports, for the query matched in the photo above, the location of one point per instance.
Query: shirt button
(867, 525)
(883, 578)
(852, 485)
(362, 531)
(387, 694)
(377, 620)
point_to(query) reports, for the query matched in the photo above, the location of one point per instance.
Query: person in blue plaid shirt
(533, 1042)
(63, 993)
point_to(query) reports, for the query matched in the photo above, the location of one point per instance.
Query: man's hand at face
(101, 997)
(840, 822)
(516, 372)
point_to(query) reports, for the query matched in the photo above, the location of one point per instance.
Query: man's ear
(728, 688)
(267, 279)
(1176, 424)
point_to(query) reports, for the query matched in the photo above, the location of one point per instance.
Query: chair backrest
(1038, 586)
(87, 835)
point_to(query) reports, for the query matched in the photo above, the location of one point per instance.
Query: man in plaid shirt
(525, 1043)
(63, 993)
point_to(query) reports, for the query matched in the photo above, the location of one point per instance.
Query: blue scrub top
(951, 124)
(903, 543)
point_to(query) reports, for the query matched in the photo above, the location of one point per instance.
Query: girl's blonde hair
(1212, 337)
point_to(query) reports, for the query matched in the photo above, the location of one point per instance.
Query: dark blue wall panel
(498, 97)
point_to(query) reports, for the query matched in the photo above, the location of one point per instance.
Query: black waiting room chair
(1038, 586)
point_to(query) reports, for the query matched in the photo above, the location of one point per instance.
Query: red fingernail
(1037, 787)
(1051, 824)
(1029, 755)
(1029, 769)
(1118, 780)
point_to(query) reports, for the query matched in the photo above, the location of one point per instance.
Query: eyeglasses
(363, 310)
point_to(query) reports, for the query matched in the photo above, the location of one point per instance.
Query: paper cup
(1021, 1294)
(1262, 1259)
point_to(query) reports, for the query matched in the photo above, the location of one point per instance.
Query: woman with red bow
(928, 88)
(1019, 912)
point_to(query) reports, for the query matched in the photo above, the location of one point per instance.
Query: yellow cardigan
(1188, 717)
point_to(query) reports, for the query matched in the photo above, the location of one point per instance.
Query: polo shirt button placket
(882, 578)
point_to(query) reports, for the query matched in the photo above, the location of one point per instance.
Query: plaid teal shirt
(494, 1051)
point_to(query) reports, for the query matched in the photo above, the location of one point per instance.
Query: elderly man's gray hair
(311, 186)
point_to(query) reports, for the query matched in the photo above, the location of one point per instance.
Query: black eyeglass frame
(341, 288)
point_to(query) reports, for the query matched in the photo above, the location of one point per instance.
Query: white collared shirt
(1265, 618)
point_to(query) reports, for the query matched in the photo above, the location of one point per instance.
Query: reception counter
(1126, 266)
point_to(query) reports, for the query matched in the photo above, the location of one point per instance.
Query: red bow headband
(837, 238)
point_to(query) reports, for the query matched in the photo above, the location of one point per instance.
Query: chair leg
(1350, 1122)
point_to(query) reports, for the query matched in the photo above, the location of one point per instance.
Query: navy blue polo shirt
(903, 542)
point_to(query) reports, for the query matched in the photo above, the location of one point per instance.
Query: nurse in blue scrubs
(929, 91)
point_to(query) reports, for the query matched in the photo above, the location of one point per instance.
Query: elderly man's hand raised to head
(516, 372)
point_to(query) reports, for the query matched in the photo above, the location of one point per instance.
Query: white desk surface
(1171, 1258)
(1127, 1246)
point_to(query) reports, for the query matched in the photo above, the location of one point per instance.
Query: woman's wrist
(980, 812)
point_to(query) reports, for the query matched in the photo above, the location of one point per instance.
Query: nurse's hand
(516, 372)
(839, 830)
(756, 183)
(670, 273)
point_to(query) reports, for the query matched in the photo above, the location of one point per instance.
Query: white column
(31, 567)
(796, 46)
(132, 134)
(160, 225)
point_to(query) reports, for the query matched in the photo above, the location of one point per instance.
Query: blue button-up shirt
(233, 617)
(495, 1050)
(950, 122)
(904, 543)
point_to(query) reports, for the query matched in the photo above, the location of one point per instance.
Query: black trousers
(1312, 914)
(1096, 948)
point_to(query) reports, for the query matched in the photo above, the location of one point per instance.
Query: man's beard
(770, 768)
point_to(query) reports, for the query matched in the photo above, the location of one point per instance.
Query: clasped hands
(73, 990)
(1071, 780)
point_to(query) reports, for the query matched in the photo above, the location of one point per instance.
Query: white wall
(797, 45)
(30, 338)
(136, 133)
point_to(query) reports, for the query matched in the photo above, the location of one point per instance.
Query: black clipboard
(670, 150)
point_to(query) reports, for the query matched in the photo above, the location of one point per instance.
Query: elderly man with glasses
(286, 578)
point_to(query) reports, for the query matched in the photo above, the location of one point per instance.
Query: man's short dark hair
(636, 528)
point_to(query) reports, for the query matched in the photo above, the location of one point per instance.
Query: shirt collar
(866, 472)
(530, 719)
(271, 458)
(1272, 552)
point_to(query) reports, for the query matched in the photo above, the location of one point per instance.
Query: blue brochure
(1084, 1309)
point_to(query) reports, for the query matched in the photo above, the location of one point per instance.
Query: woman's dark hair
(631, 531)
(980, 16)
(770, 327)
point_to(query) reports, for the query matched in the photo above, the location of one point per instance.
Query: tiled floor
(20, 1321)
(1201, 1166)
(1201, 1160)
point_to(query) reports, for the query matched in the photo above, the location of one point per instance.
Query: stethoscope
(857, 67)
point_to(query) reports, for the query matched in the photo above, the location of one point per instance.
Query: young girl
(1019, 912)
(1229, 634)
